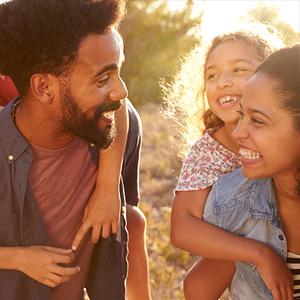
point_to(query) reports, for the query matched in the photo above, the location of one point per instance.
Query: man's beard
(76, 122)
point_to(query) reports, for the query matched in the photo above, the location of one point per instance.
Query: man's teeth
(249, 154)
(109, 114)
(226, 99)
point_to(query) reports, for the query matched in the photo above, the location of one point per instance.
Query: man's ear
(41, 88)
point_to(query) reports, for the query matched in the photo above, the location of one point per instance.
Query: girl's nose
(224, 81)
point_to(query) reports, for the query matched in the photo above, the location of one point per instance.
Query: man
(65, 58)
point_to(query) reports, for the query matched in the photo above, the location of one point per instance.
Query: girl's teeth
(225, 99)
(249, 154)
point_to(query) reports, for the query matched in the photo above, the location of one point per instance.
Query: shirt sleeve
(201, 168)
(131, 163)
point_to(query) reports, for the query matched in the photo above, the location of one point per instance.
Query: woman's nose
(240, 131)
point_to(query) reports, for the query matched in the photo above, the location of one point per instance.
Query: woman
(266, 210)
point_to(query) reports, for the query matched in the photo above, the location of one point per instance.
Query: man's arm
(41, 263)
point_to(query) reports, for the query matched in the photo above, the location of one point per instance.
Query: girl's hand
(43, 264)
(276, 275)
(102, 214)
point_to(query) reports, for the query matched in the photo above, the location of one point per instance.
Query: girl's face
(227, 70)
(269, 143)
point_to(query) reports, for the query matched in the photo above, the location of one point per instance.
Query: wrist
(260, 254)
(19, 258)
(11, 258)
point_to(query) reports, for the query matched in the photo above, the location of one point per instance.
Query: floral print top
(205, 163)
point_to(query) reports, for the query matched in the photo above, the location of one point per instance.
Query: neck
(39, 126)
(224, 136)
(286, 189)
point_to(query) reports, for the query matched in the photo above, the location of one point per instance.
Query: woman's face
(269, 142)
(227, 70)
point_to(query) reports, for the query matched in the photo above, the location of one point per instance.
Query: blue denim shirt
(248, 208)
(21, 225)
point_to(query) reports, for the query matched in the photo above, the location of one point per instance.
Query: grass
(160, 167)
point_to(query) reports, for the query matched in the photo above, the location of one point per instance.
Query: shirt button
(281, 237)
(10, 157)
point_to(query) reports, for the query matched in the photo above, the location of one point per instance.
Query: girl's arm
(190, 233)
(102, 212)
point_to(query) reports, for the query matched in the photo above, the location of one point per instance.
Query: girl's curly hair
(185, 99)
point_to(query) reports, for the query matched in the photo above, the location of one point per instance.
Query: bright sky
(224, 14)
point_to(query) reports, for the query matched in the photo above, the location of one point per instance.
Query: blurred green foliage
(155, 37)
(268, 14)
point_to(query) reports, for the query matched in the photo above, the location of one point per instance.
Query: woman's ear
(41, 88)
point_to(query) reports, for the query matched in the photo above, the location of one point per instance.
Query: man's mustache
(110, 106)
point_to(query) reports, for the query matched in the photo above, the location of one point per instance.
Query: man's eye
(103, 81)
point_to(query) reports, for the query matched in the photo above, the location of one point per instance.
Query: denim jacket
(21, 226)
(247, 208)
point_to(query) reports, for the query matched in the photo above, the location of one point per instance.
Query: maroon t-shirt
(62, 181)
(8, 90)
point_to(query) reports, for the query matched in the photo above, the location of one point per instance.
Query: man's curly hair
(43, 36)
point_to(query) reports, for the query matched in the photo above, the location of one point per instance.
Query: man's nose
(119, 92)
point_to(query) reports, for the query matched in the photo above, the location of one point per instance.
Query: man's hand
(43, 264)
(276, 275)
(102, 214)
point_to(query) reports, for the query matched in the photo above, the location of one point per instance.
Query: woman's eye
(257, 121)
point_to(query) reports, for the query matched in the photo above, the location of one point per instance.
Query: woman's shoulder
(234, 187)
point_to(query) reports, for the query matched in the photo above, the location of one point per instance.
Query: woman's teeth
(227, 99)
(249, 154)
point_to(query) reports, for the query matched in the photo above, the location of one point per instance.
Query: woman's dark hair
(283, 68)
(43, 36)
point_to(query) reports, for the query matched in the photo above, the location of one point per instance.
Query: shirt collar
(12, 141)
(263, 202)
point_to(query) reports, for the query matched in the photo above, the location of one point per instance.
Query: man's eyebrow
(106, 68)
(110, 67)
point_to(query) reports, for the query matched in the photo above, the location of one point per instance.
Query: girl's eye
(240, 70)
(211, 76)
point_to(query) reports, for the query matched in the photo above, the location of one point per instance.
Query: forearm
(9, 257)
(203, 239)
(111, 160)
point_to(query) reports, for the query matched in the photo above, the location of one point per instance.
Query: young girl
(229, 62)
